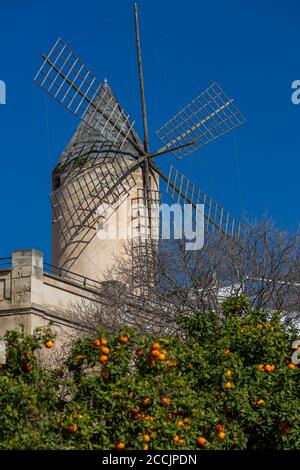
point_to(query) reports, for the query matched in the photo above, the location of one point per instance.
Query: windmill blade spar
(210, 115)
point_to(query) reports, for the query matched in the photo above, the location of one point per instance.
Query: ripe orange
(105, 350)
(176, 439)
(261, 367)
(292, 366)
(78, 357)
(146, 447)
(146, 438)
(120, 445)
(260, 402)
(221, 435)
(104, 342)
(180, 424)
(162, 357)
(201, 441)
(139, 353)
(123, 339)
(269, 368)
(72, 428)
(228, 385)
(155, 353)
(103, 358)
(165, 401)
(226, 352)
(155, 346)
(220, 427)
(146, 401)
(97, 343)
(228, 373)
(49, 344)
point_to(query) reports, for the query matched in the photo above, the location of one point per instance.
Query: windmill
(106, 160)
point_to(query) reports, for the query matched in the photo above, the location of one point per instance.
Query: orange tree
(229, 384)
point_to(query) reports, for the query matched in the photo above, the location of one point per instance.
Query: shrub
(227, 386)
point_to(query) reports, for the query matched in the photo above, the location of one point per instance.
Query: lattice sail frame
(76, 203)
(71, 83)
(210, 115)
(183, 190)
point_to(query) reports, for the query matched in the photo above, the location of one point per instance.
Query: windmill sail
(70, 82)
(183, 190)
(210, 115)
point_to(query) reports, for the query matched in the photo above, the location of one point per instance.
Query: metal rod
(142, 87)
(146, 176)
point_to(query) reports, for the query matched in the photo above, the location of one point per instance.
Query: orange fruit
(49, 344)
(201, 441)
(155, 353)
(104, 342)
(146, 447)
(269, 368)
(226, 352)
(260, 402)
(292, 366)
(123, 339)
(162, 357)
(103, 358)
(78, 357)
(105, 350)
(176, 439)
(220, 427)
(146, 401)
(228, 385)
(261, 367)
(221, 435)
(180, 424)
(139, 353)
(155, 346)
(97, 343)
(72, 428)
(228, 373)
(165, 400)
(146, 438)
(120, 445)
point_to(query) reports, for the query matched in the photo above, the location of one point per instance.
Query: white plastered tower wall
(79, 191)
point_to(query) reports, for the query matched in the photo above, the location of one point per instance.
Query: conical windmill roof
(105, 123)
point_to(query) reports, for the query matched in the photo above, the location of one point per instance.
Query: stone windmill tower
(106, 162)
(92, 163)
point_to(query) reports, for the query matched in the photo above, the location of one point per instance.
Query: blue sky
(250, 47)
